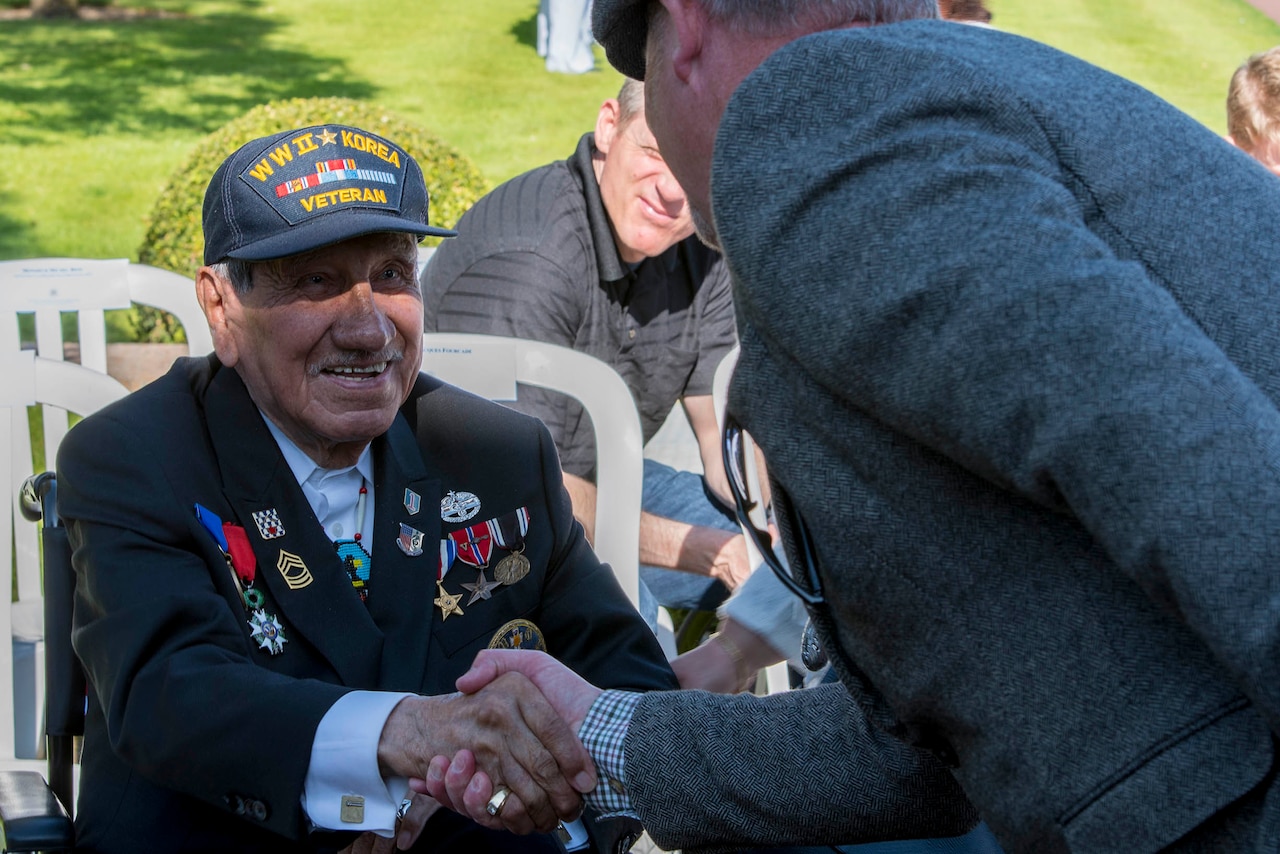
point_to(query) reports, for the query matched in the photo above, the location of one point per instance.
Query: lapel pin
(295, 572)
(459, 507)
(268, 522)
(410, 540)
(412, 502)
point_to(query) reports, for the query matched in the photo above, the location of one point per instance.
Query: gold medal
(447, 602)
(511, 568)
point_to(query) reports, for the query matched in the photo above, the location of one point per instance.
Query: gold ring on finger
(495, 804)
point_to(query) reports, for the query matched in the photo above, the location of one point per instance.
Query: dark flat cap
(622, 26)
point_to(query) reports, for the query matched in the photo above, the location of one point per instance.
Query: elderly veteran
(288, 550)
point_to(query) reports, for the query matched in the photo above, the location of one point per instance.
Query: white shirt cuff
(344, 767)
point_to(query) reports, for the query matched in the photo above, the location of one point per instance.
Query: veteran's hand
(515, 737)
(455, 780)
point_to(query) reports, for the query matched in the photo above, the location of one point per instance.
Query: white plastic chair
(776, 676)
(46, 288)
(490, 366)
(27, 381)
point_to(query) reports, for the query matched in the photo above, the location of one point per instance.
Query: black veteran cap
(302, 189)
(622, 26)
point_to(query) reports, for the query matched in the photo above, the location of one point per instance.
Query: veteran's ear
(219, 302)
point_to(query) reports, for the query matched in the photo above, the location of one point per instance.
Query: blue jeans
(683, 496)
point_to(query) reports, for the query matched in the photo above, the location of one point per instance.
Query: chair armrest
(31, 818)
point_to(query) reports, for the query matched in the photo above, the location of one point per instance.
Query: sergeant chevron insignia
(295, 572)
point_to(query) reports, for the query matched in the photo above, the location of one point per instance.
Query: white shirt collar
(303, 466)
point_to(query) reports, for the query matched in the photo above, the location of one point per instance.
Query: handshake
(504, 750)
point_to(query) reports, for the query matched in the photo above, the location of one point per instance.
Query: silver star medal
(268, 632)
(480, 590)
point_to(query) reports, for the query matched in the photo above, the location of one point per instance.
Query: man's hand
(569, 694)
(514, 735)
(693, 548)
(455, 780)
(731, 564)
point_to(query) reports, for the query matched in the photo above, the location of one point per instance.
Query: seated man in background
(596, 253)
(284, 549)
(1253, 108)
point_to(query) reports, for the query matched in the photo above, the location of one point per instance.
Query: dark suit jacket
(188, 717)
(1011, 344)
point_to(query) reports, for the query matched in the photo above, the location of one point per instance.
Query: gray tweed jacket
(1011, 344)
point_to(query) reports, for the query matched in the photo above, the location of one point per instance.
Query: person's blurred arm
(702, 418)
(726, 662)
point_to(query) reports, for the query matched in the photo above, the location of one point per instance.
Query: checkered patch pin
(268, 522)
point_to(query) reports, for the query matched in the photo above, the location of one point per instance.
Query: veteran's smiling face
(328, 343)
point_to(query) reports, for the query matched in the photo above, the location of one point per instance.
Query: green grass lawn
(96, 116)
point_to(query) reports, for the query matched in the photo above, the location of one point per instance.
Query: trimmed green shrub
(174, 240)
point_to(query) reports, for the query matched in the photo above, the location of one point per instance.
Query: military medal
(509, 532)
(448, 553)
(244, 565)
(475, 544)
(518, 634)
(447, 602)
(458, 507)
(480, 590)
(268, 632)
(233, 542)
(511, 568)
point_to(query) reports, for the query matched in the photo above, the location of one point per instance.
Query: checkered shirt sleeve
(603, 733)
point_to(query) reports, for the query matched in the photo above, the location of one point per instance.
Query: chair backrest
(30, 380)
(776, 676)
(45, 289)
(491, 366)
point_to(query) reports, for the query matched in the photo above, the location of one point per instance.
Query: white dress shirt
(344, 754)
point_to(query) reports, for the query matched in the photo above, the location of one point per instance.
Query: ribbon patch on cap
(315, 172)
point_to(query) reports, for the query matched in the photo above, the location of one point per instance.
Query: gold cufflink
(352, 811)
